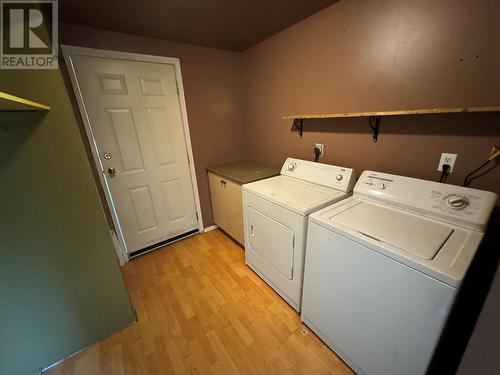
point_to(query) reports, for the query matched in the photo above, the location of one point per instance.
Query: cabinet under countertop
(225, 182)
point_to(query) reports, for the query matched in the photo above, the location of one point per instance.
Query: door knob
(111, 171)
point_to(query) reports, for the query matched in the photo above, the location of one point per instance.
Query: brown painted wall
(352, 56)
(213, 89)
(362, 55)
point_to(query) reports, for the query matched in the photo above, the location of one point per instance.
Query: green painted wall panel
(60, 284)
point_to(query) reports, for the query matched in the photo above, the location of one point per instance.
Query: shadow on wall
(456, 124)
(468, 305)
(15, 129)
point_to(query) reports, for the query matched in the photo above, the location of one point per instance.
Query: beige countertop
(244, 171)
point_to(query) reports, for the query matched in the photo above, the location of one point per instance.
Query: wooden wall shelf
(374, 116)
(14, 103)
(396, 113)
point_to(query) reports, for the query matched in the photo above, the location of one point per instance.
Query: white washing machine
(383, 268)
(275, 217)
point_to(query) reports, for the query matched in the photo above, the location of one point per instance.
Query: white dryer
(383, 268)
(275, 214)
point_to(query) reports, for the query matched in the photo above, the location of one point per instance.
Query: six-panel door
(135, 115)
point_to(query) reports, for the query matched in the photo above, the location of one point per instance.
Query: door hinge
(197, 219)
(189, 160)
(177, 87)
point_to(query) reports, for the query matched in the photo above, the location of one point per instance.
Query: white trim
(68, 51)
(187, 135)
(121, 253)
(208, 229)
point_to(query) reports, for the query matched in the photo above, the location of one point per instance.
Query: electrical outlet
(321, 148)
(449, 159)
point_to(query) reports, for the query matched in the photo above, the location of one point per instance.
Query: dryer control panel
(466, 207)
(331, 176)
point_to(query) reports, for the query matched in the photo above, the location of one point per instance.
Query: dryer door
(272, 240)
(275, 246)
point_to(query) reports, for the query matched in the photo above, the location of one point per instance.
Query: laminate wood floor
(201, 310)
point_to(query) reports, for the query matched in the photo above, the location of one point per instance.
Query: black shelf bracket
(374, 122)
(298, 123)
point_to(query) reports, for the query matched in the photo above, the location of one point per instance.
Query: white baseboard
(208, 229)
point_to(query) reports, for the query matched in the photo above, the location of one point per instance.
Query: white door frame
(68, 51)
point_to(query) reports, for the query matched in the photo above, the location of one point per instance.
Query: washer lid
(296, 195)
(456, 205)
(411, 233)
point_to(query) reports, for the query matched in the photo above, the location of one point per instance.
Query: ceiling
(227, 24)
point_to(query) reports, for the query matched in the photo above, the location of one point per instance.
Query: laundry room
(236, 187)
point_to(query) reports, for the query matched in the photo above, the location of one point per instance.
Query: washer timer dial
(457, 202)
(292, 166)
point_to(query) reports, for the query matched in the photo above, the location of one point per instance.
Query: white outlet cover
(447, 158)
(321, 146)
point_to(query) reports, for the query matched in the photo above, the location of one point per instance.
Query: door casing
(68, 51)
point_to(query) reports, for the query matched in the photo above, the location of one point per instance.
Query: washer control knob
(368, 183)
(457, 202)
(339, 177)
(382, 186)
(292, 166)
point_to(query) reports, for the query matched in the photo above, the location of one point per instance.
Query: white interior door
(134, 112)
